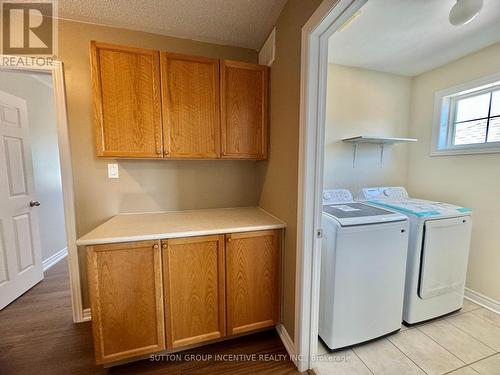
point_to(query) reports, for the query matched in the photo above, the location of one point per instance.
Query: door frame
(56, 69)
(329, 16)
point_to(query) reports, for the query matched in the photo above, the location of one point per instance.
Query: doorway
(33, 224)
(38, 229)
(328, 18)
(408, 91)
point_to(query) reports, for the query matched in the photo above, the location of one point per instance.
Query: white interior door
(20, 254)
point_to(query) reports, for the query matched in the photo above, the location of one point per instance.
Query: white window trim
(440, 96)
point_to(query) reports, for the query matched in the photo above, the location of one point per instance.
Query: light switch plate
(113, 171)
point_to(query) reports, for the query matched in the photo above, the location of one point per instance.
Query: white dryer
(437, 254)
(363, 260)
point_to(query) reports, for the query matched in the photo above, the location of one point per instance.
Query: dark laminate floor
(37, 336)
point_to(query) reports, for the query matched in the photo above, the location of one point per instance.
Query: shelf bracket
(354, 153)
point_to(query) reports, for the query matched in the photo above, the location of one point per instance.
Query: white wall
(45, 152)
(467, 180)
(365, 102)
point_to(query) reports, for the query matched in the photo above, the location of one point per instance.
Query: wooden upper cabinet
(193, 270)
(126, 298)
(252, 280)
(127, 101)
(243, 110)
(191, 113)
(151, 104)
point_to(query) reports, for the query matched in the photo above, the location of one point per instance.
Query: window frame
(444, 122)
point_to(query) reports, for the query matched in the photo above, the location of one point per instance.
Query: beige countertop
(174, 224)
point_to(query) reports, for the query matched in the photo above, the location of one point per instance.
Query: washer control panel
(389, 192)
(336, 196)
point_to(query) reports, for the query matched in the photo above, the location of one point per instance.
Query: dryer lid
(423, 208)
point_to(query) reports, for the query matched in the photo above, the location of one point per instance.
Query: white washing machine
(363, 261)
(438, 252)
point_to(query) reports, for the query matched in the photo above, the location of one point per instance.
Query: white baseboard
(53, 259)
(87, 315)
(482, 300)
(287, 342)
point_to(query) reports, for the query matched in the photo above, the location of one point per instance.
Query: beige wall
(143, 185)
(44, 152)
(468, 180)
(280, 174)
(365, 102)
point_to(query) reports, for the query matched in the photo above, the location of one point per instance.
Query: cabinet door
(252, 272)
(243, 110)
(193, 269)
(126, 299)
(191, 113)
(126, 89)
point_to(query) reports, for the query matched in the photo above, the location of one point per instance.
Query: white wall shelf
(381, 141)
(378, 140)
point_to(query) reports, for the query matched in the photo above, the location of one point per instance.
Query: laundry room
(411, 153)
(250, 187)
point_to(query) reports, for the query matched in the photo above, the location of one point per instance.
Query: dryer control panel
(336, 196)
(389, 192)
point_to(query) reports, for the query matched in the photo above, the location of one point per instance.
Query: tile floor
(465, 343)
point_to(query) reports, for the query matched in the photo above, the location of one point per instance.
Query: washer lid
(422, 208)
(349, 214)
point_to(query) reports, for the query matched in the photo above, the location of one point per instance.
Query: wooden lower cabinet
(149, 296)
(252, 281)
(193, 270)
(126, 298)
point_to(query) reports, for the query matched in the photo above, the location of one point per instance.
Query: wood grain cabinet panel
(193, 270)
(149, 104)
(243, 110)
(126, 299)
(191, 112)
(252, 274)
(127, 101)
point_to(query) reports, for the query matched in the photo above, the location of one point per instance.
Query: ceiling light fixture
(465, 11)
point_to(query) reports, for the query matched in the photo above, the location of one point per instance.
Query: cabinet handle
(164, 246)
(155, 246)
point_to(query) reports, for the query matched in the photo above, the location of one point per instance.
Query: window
(467, 118)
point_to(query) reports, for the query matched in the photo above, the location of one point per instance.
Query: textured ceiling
(410, 37)
(241, 23)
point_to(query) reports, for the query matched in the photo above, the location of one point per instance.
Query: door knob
(34, 204)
